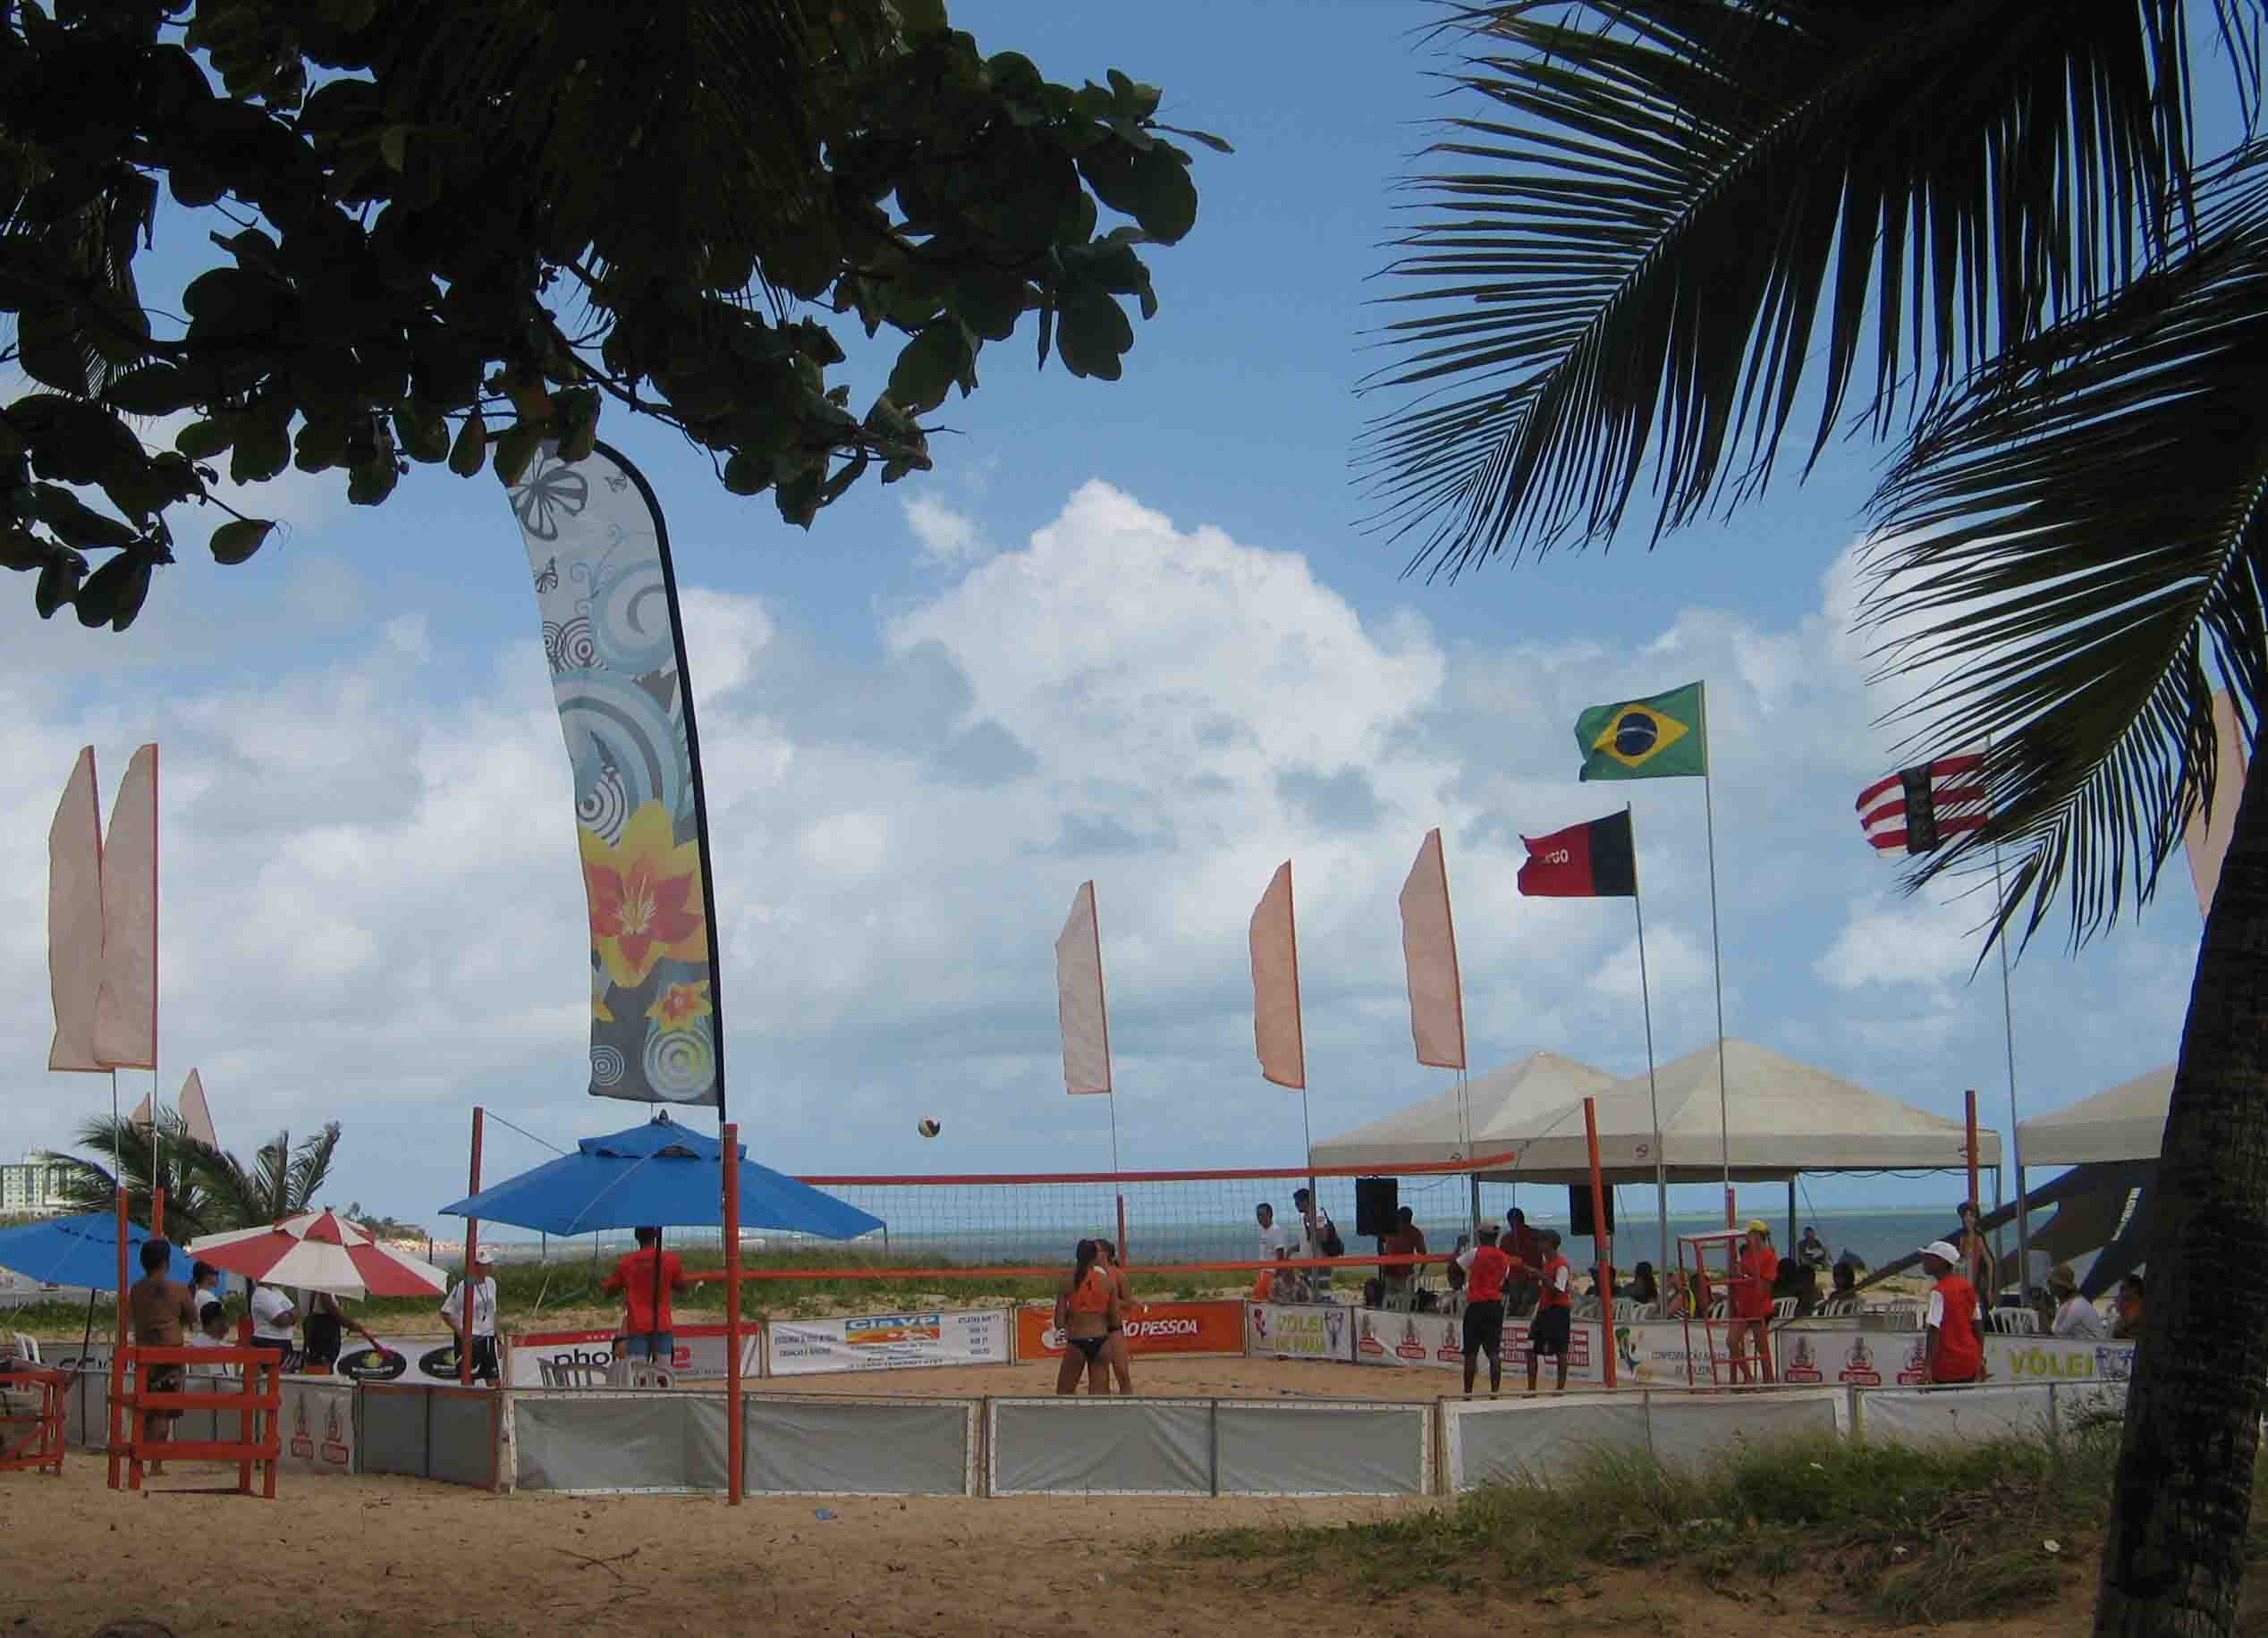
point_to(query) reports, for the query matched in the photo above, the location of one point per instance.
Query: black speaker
(1578, 1210)
(1378, 1203)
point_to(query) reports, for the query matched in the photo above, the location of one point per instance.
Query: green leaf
(49, 349)
(233, 541)
(470, 451)
(1219, 145)
(76, 523)
(929, 365)
(1165, 197)
(152, 389)
(422, 433)
(203, 440)
(106, 590)
(1092, 334)
(393, 146)
(747, 473)
(922, 17)
(516, 448)
(262, 449)
(133, 591)
(369, 482)
(58, 584)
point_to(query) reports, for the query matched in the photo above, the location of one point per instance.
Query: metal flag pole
(1716, 950)
(1653, 1097)
(1110, 1073)
(2015, 1137)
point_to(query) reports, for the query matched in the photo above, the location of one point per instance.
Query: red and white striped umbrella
(319, 1251)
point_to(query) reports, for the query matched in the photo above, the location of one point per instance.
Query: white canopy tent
(1781, 1118)
(2126, 1123)
(1434, 1131)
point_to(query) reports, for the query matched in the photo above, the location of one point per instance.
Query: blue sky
(1132, 631)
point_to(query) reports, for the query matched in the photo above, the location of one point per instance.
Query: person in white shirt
(274, 1314)
(2075, 1316)
(481, 1279)
(212, 1332)
(1274, 1247)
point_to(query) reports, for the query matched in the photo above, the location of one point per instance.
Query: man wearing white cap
(478, 1332)
(1955, 1325)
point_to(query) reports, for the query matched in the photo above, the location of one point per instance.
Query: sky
(1133, 631)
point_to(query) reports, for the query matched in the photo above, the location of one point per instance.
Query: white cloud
(374, 908)
(945, 536)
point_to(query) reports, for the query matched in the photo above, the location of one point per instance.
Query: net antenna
(1083, 1009)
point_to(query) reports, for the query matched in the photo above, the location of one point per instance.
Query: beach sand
(383, 1556)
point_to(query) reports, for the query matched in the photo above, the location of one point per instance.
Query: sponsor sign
(1436, 1342)
(318, 1428)
(1656, 1353)
(2056, 1359)
(1151, 1327)
(1299, 1330)
(701, 1353)
(889, 1341)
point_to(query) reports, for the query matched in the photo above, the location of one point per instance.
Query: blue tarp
(662, 1174)
(79, 1251)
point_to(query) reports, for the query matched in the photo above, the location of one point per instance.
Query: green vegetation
(1907, 1534)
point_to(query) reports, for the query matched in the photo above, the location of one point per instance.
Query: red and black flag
(1916, 809)
(1584, 861)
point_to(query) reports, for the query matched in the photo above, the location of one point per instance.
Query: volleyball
(929, 1128)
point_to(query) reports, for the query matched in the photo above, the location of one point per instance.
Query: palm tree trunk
(2174, 1561)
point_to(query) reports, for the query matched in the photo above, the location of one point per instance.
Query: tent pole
(734, 1411)
(1969, 1102)
(470, 1305)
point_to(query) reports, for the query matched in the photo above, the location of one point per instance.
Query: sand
(1206, 1376)
(375, 1557)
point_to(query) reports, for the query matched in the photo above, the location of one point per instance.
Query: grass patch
(1908, 1534)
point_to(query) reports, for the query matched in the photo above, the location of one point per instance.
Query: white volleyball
(930, 1128)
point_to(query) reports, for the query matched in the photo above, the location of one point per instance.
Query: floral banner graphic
(599, 553)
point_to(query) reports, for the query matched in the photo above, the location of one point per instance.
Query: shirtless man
(158, 1308)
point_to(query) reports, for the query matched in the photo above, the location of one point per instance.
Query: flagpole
(1716, 950)
(2015, 1137)
(1110, 1075)
(1652, 1098)
(1299, 1024)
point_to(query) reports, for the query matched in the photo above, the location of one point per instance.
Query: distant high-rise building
(32, 1186)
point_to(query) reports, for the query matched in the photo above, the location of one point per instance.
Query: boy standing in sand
(158, 1308)
(1547, 1332)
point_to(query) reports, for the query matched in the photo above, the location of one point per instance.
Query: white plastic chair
(572, 1373)
(27, 1348)
(1785, 1308)
(1717, 1307)
(1904, 1316)
(1585, 1308)
(1642, 1312)
(2014, 1321)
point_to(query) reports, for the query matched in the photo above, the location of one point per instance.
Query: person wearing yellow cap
(1751, 1301)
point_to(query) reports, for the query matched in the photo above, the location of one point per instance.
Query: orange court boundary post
(116, 1446)
(1601, 1241)
(258, 1365)
(734, 1457)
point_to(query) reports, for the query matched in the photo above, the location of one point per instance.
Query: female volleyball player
(1120, 1353)
(1084, 1310)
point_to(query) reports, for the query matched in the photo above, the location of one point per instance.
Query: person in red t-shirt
(1526, 1251)
(1750, 1301)
(1547, 1332)
(1486, 1268)
(1956, 1320)
(646, 1278)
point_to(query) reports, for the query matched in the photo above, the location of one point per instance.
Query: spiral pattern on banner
(680, 1063)
(611, 722)
(602, 805)
(629, 617)
(607, 1065)
(568, 646)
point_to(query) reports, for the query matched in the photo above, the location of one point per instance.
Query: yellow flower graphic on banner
(679, 1004)
(645, 891)
(599, 1011)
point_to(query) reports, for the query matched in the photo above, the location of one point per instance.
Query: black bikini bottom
(1088, 1345)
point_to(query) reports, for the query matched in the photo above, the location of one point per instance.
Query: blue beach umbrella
(79, 1251)
(662, 1174)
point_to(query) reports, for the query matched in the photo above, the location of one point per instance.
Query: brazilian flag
(1664, 737)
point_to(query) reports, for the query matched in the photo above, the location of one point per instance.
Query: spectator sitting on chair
(2131, 1291)
(1846, 1279)
(1398, 1282)
(204, 1287)
(1811, 1251)
(2075, 1316)
(646, 1278)
(159, 1309)
(1642, 1287)
(1677, 1300)
(476, 1332)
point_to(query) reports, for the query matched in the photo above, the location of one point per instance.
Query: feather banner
(74, 917)
(126, 1002)
(1429, 960)
(1079, 999)
(1276, 1033)
(598, 551)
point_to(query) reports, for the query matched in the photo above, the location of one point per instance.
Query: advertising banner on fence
(1435, 1341)
(889, 1341)
(700, 1355)
(1151, 1327)
(1299, 1330)
(318, 1428)
(1655, 1353)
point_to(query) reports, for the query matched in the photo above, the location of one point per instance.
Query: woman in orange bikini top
(1084, 1308)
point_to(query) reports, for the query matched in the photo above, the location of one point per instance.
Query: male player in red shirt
(1486, 1267)
(1956, 1344)
(1547, 1332)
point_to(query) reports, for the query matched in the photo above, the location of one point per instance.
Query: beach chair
(571, 1373)
(1785, 1308)
(1902, 1316)
(2014, 1321)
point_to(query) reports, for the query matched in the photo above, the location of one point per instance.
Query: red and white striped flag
(1916, 809)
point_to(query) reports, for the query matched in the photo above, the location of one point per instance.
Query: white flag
(2208, 833)
(1275, 985)
(1429, 958)
(126, 1006)
(1079, 999)
(74, 916)
(145, 1115)
(197, 1116)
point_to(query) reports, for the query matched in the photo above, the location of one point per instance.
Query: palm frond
(2075, 548)
(310, 1165)
(1677, 210)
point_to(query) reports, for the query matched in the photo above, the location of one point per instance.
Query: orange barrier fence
(257, 1403)
(31, 1436)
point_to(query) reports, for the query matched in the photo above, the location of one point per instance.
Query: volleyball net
(977, 1223)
